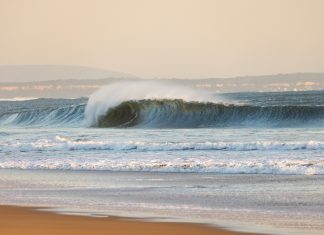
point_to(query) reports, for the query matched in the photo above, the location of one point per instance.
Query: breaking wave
(161, 105)
(105, 99)
(180, 114)
(168, 113)
(155, 105)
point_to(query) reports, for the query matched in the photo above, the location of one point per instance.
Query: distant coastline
(74, 82)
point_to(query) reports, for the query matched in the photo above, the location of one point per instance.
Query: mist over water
(110, 96)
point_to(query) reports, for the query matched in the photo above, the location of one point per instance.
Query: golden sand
(28, 221)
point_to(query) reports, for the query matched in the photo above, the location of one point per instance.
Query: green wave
(168, 113)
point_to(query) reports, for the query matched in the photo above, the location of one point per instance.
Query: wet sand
(29, 221)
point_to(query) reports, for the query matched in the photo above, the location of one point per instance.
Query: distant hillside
(36, 73)
(74, 88)
(277, 82)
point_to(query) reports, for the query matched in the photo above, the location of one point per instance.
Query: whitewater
(159, 127)
(160, 105)
(247, 161)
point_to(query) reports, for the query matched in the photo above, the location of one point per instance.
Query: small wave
(71, 115)
(4, 133)
(285, 167)
(65, 144)
(18, 99)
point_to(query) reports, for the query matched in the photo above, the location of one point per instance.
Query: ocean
(246, 161)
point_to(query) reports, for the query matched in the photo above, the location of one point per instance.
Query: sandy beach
(25, 220)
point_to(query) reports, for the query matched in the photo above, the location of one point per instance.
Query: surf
(168, 113)
(162, 105)
(108, 97)
(43, 112)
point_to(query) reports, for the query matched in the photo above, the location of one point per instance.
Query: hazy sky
(166, 38)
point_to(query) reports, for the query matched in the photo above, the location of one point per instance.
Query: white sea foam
(60, 143)
(254, 157)
(114, 94)
(18, 99)
(223, 166)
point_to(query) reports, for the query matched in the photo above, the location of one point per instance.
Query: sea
(251, 161)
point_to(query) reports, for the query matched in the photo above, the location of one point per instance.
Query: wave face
(125, 105)
(163, 105)
(180, 114)
(168, 113)
(43, 112)
(69, 116)
(116, 94)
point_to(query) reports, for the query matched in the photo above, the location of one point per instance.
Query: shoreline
(68, 193)
(16, 220)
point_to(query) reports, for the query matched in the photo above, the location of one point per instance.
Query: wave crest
(70, 115)
(177, 113)
(122, 93)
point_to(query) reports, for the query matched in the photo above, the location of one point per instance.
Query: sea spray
(169, 107)
(112, 95)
